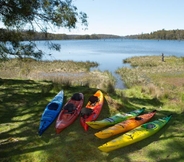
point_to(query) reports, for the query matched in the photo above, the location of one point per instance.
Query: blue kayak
(51, 112)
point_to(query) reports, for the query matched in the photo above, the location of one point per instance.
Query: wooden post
(162, 57)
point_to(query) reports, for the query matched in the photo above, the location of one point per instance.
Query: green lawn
(23, 102)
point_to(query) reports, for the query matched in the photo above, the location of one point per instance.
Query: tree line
(30, 35)
(160, 35)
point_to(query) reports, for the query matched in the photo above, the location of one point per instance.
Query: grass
(161, 80)
(67, 73)
(23, 101)
(29, 68)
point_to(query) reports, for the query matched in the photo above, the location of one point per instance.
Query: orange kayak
(92, 109)
(125, 125)
(70, 112)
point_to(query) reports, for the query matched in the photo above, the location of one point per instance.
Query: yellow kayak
(125, 126)
(144, 131)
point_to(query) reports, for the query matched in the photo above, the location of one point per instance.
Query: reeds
(68, 73)
(156, 79)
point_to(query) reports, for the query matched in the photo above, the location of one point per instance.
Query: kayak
(119, 117)
(51, 112)
(70, 112)
(125, 126)
(144, 131)
(92, 109)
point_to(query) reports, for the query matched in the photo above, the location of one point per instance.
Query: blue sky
(126, 17)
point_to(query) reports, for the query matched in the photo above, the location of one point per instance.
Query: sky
(128, 17)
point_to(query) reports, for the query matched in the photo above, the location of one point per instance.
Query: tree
(33, 15)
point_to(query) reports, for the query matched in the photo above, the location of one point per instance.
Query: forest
(161, 35)
(30, 35)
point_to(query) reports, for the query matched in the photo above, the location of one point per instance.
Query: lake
(110, 53)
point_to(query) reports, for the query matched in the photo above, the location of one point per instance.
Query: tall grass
(68, 73)
(162, 80)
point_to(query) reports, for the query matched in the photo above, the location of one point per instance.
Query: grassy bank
(68, 73)
(150, 77)
(23, 101)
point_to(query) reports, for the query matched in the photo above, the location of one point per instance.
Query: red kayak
(92, 109)
(70, 112)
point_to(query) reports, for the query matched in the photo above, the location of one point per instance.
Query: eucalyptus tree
(19, 16)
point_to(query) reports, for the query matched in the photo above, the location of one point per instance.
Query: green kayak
(114, 119)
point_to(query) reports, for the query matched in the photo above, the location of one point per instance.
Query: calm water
(110, 53)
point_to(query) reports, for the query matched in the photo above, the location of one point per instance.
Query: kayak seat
(138, 118)
(148, 126)
(76, 97)
(70, 107)
(86, 112)
(53, 106)
(111, 120)
(93, 100)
